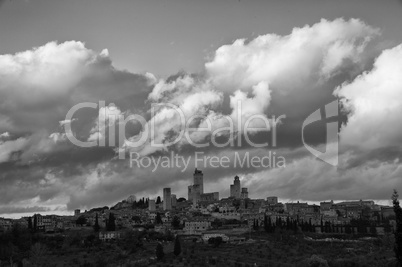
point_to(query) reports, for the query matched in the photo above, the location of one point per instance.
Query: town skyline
(385, 203)
(314, 86)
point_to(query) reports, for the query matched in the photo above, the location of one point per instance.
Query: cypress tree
(96, 225)
(111, 223)
(159, 252)
(158, 218)
(398, 232)
(177, 246)
(270, 227)
(266, 227)
(35, 222)
(29, 223)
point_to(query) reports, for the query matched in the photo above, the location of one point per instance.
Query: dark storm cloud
(384, 154)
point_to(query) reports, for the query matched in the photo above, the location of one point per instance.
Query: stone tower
(167, 199)
(235, 188)
(197, 189)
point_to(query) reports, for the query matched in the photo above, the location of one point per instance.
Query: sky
(277, 58)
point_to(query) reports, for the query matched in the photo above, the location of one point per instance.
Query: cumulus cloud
(8, 147)
(310, 52)
(266, 76)
(108, 117)
(39, 86)
(4, 135)
(175, 103)
(373, 101)
(246, 107)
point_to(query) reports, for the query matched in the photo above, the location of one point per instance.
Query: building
(151, 205)
(359, 203)
(326, 205)
(194, 226)
(174, 201)
(277, 208)
(244, 193)
(167, 199)
(272, 200)
(49, 223)
(235, 188)
(198, 177)
(197, 189)
(226, 212)
(254, 218)
(297, 208)
(214, 196)
(77, 212)
(105, 236)
(5, 224)
(387, 212)
(206, 237)
(131, 199)
(45, 223)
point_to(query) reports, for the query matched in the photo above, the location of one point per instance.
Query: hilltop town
(205, 218)
(202, 212)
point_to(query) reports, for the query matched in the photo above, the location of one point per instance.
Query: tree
(158, 200)
(236, 203)
(81, 220)
(218, 240)
(256, 226)
(182, 199)
(38, 254)
(158, 219)
(159, 252)
(177, 246)
(176, 222)
(398, 232)
(131, 241)
(316, 261)
(35, 222)
(322, 226)
(387, 227)
(30, 223)
(266, 227)
(96, 225)
(373, 230)
(111, 223)
(136, 219)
